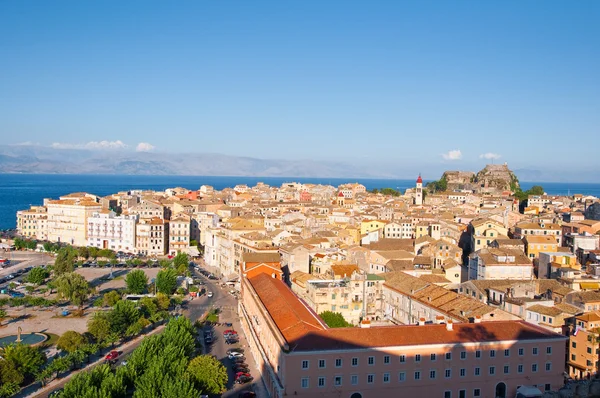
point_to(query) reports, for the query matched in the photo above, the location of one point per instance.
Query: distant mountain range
(35, 159)
(39, 159)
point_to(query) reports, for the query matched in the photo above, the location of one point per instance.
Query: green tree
(194, 242)
(99, 325)
(25, 358)
(164, 263)
(166, 281)
(72, 287)
(334, 319)
(71, 341)
(48, 247)
(181, 263)
(124, 314)
(3, 314)
(83, 252)
(65, 260)
(209, 374)
(111, 298)
(93, 252)
(37, 275)
(163, 301)
(137, 282)
(9, 373)
(148, 306)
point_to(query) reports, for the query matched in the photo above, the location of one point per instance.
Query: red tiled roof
(292, 317)
(305, 331)
(409, 335)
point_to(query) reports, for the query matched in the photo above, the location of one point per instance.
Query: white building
(106, 230)
(494, 264)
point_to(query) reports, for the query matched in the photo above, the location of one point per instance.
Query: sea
(20, 191)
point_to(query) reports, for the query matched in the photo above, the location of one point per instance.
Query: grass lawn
(212, 318)
(52, 339)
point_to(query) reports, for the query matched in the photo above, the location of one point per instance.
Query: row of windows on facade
(418, 375)
(402, 358)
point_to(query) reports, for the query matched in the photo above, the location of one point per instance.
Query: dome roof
(419, 180)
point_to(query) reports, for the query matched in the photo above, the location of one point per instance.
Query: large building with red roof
(301, 356)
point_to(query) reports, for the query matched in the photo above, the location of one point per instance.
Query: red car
(111, 356)
(240, 374)
(230, 331)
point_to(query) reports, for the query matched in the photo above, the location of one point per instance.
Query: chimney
(449, 325)
(477, 319)
(365, 324)
(439, 319)
(421, 321)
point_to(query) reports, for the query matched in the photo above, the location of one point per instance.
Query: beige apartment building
(298, 355)
(33, 223)
(67, 219)
(524, 229)
(179, 233)
(152, 236)
(484, 232)
(356, 297)
(584, 349)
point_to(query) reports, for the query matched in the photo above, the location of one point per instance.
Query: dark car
(244, 379)
(247, 394)
(238, 360)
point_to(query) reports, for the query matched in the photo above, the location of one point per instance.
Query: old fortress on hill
(453, 293)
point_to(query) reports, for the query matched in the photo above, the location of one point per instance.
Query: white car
(209, 294)
(235, 355)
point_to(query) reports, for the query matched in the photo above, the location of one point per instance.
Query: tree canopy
(157, 368)
(209, 374)
(386, 191)
(65, 260)
(181, 262)
(440, 185)
(334, 319)
(38, 275)
(72, 287)
(137, 282)
(71, 341)
(166, 281)
(523, 195)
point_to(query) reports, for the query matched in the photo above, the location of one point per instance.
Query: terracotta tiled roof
(394, 336)
(292, 317)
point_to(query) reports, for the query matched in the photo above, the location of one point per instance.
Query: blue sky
(426, 82)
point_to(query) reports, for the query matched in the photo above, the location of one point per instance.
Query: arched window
(356, 395)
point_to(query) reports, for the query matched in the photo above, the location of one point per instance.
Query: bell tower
(419, 192)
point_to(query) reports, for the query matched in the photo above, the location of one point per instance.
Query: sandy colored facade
(67, 219)
(33, 223)
(152, 236)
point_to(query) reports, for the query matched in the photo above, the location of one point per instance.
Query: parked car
(230, 332)
(240, 374)
(209, 294)
(16, 294)
(244, 369)
(247, 394)
(244, 379)
(236, 355)
(238, 359)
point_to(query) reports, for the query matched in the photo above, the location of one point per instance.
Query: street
(228, 305)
